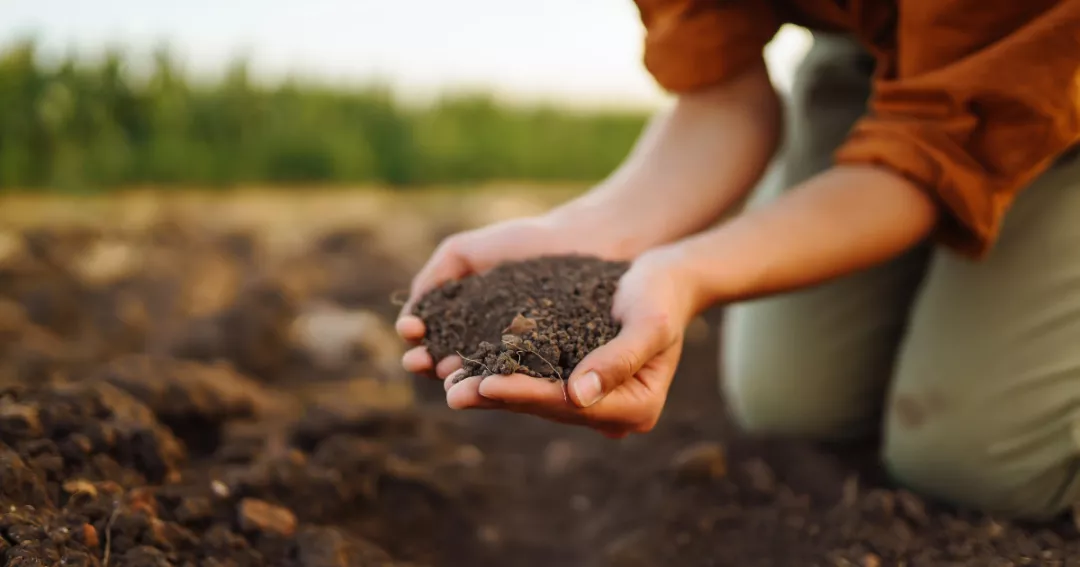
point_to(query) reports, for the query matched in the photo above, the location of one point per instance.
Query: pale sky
(570, 51)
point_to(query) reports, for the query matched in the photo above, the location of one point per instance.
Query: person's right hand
(479, 250)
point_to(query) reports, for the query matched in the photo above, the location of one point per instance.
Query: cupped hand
(620, 387)
(479, 250)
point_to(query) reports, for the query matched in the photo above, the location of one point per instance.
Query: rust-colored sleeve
(980, 98)
(691, 44)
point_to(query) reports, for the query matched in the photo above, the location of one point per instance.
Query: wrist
(678, 263)
(599, 223)
(830, 226)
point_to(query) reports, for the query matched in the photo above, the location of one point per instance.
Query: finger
(466, 395)
(410, 328)
(543, 398)
(614, 433)
(448, 366)
(605, 368)
(524, 390)
(417, 360)
(452, 379)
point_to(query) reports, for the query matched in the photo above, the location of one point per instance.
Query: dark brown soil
(141, 427)
(538, 317)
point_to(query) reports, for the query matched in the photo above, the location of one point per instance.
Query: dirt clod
(913, 507)
(18, 421)
(90, 536)
(80, 486)
(538, 317)
(328, 547)
(260, 516)
(703, 461)
(762, 477)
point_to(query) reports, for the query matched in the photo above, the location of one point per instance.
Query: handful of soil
(538, 317)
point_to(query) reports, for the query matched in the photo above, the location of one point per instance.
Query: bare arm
(841, 221)
(688, 168)
(845, 219)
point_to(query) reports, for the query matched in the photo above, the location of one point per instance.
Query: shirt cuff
(688, 48)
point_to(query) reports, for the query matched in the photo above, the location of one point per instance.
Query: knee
(960, 463)
(758, 408)
(767, 399)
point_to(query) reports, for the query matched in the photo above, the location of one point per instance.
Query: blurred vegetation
(82, 126)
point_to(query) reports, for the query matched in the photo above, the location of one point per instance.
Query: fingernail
(587, 389)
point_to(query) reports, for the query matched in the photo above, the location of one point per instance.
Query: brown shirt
(973, 99)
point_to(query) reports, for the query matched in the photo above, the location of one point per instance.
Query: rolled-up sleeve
(979, 99)
(693, 44)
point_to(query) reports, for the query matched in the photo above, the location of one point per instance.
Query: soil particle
(538, 317)
(194, 510)
(90, 536)
(260, 516)
(762, 478)
(469, 456)
(328, 547)
(18, 421)
(79, 487)
(19, 484)
(144, 556)
(701, 462)
(913, 508)
(558, 456)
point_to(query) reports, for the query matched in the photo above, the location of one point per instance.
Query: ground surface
(176, 391)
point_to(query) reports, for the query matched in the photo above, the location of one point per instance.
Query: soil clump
(539, 317)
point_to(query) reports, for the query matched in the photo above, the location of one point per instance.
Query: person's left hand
(619, 388)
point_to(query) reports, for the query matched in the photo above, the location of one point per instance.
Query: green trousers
(971, 369)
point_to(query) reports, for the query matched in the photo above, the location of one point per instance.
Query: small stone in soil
(762, 478)
(19, 421)
(557, 457)
(913, 507)
(469, 456)
(703, 461)
(261, 516)
(90, 536)
(80, 486)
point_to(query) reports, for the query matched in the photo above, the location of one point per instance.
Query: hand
(621, 387)
(559, 232)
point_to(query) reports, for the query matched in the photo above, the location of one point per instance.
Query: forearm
(842, 221)
(690, 165)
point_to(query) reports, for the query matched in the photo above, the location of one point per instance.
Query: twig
(467, 359)
(540, 356)
(108, 534)
(399, 297)
(565, 386)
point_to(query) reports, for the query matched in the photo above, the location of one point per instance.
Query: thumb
(607, 367)
(446, 263)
